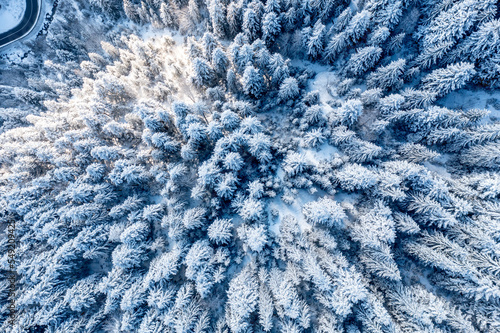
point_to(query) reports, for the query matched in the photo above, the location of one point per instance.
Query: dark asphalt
(28, 21)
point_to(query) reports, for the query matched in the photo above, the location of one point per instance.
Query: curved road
(25, 26)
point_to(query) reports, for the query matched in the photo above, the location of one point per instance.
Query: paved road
(26, 24)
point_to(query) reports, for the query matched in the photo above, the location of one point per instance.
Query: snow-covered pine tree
(387, 77)
(217, 12)
(253, 82)
(270, 27)
(442, 81)
(316, 41)
(363, 60)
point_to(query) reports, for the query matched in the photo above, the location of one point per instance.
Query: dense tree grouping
(184, 166)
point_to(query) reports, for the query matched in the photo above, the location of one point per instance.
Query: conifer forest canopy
(250, 166)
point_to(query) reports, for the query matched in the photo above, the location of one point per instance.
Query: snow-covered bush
(325, 211)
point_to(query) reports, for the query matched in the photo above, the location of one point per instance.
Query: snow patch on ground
(11, 13)
(439, 169)
(469, 99)
(438, 165)
(295, 210)
(324, 152)
(325, 83)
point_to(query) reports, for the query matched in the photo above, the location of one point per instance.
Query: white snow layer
(11, 13)
(471, 99)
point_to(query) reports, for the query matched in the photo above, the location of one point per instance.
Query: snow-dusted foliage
(253, 166)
